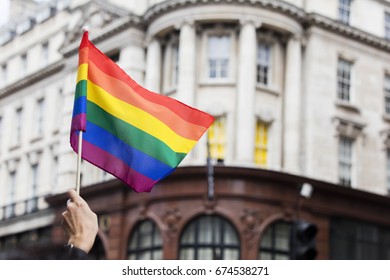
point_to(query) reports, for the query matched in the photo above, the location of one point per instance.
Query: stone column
(292, 106)
(187, 69)
(153, 66)
(246, 88)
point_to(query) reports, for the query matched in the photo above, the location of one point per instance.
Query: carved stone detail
(251, 219)
(171, 218)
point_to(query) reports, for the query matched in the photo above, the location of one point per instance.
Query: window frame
(262, 146)
(269, 77)
(273, 250)
(344, 80)
(346, 163)
(387, 25)
(218, 144)
(137, 233)
(218, 30)
(344, 11)
(386, 93)
(219, 228)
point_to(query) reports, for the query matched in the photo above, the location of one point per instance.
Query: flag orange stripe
(122, 91)
(187, 113)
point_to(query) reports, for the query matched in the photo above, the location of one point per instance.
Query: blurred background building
(300, 90)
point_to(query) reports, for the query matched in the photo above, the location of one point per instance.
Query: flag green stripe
(133, 136)
(81, 89)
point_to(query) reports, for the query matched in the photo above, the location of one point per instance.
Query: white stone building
(297, 86)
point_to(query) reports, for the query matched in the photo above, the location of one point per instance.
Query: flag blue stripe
(135, 159)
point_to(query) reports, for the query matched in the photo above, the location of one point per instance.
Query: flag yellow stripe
(82, 72)
(138, 118)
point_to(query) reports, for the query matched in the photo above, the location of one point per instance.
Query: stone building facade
(301, 94)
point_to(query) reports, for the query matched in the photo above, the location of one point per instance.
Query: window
(3, 75)
(10, 208)
(263, 63)
(1, 131)
(175, 64)
(32, 202)
(217, 139)
(45, 54)
(18, 126)
(354, 240)
(171, 63)
(54, 172)
(114, 55)
(275, 244)
(344, 80)
(209, 238)
(39, 113)
(386, 90)
(261, 144)
(145, 242)
(218, 56)
(345, 161)
(58, 112)
(387, 26)
(23, 65)
(344, 11)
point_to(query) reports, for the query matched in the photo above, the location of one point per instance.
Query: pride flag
(137, 135)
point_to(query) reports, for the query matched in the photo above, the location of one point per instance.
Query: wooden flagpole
(80, 147)
(79, 151)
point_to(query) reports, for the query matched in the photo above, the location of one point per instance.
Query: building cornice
(276, 5)
(306, 19)
(111, 30)
(314, 19)
(32, 79)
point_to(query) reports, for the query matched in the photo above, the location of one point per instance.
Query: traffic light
(303, 240)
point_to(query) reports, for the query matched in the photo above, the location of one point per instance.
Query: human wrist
(78, 243)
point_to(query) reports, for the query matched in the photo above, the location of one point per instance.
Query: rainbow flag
(137, 135)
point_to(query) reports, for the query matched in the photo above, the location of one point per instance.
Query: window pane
(261, 143)
(344, 10)
(275, 242)
(386, 90)
(205, 254)
(344, 80)
(216, 138)
(345, 161)
(263, 63)
(358, 240)
(387, 26)
(145, 242)
(209, 244)
(218, 56)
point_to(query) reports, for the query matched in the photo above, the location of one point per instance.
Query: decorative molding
(348, 128)
(34, 156)
(385, 136)
(171, 218)
(169, 5)
(306, 19)
(314, 19)
(251, 219)
(12, 164)
(32, 79)
(104, 19)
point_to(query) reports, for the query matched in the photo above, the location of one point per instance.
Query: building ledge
(32, 79)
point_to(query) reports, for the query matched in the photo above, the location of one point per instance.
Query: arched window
(275, 244)
(208, 238)
(145, 242)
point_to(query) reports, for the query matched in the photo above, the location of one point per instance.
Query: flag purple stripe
(113, 165)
